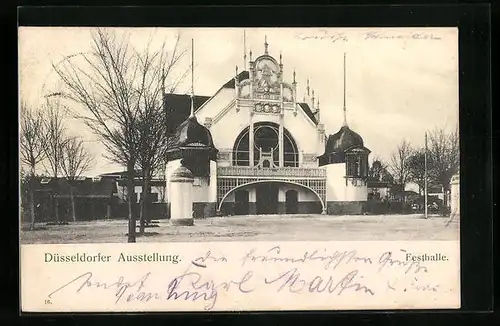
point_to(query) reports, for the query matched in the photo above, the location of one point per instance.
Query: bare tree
(416, 167)
(55, 137)
(31, 149)
(152, 118)
(76, 160)
(444, 153)
(398, 164)
(115, 84)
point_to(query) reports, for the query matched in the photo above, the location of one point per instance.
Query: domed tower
(191, 146)
(346, 161)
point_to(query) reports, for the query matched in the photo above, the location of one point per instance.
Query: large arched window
(266, 138)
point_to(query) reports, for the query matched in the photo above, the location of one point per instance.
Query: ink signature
(192, 286)
(414, 285)
(377, 35)
(86, 281)
(329, 260)
(324, 35)
(195, 284)
(294, 283)
(387, 261)
(201, 261)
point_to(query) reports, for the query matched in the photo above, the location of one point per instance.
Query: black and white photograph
(238, 134)
(238, 169)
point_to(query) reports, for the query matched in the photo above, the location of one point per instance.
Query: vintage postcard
(231, 169)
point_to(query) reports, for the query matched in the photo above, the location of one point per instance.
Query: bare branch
(76, 158)
(54, 138)
(398, 164)
(31, 146)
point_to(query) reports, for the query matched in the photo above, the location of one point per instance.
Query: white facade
(268, 144)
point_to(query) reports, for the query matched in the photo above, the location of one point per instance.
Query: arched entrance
(292, 202)
(267, 198)
(241, 202)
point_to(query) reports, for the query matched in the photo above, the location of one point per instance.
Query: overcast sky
(400, 82)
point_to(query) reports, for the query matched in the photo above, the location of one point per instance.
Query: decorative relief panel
(224, 155)
(267, 77)
(287, 94)
(272, 108)
(208, 122)
(309, 158)
(245, 91)
(267, 96)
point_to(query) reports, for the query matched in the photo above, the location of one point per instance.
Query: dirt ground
(256, 228)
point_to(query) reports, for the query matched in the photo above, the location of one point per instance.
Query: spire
(317, 110)
(192, 78)
(250, 54)
(307, 88)
(244, 50)
(265, 45)
(281, 59)
(294, 75)
(345, 109)
(312, 99)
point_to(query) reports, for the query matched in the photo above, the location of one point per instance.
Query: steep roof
(307, 110)
(241, 76)
(178, 108)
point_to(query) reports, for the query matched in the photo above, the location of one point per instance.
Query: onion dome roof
(191, 133)
(341, 143)
(344, 140)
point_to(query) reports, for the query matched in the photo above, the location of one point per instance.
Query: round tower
(346, 162)
(191, 146)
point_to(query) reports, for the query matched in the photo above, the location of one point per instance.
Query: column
(281, 144)
(280, 136)
(181, 205)
(251, 141)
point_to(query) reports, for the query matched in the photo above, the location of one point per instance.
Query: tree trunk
(72, 198)
(32, 206)
(141, 216)
(131, 197)
(145, 200)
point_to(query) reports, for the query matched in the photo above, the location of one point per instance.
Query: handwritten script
(335, 37)
(318, 272)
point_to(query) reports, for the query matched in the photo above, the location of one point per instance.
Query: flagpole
(425, 176)
(192, 78)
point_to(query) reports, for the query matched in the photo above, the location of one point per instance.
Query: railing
(244, 171)
(227, 155)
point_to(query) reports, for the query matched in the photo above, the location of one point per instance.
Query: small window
(44, 181)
